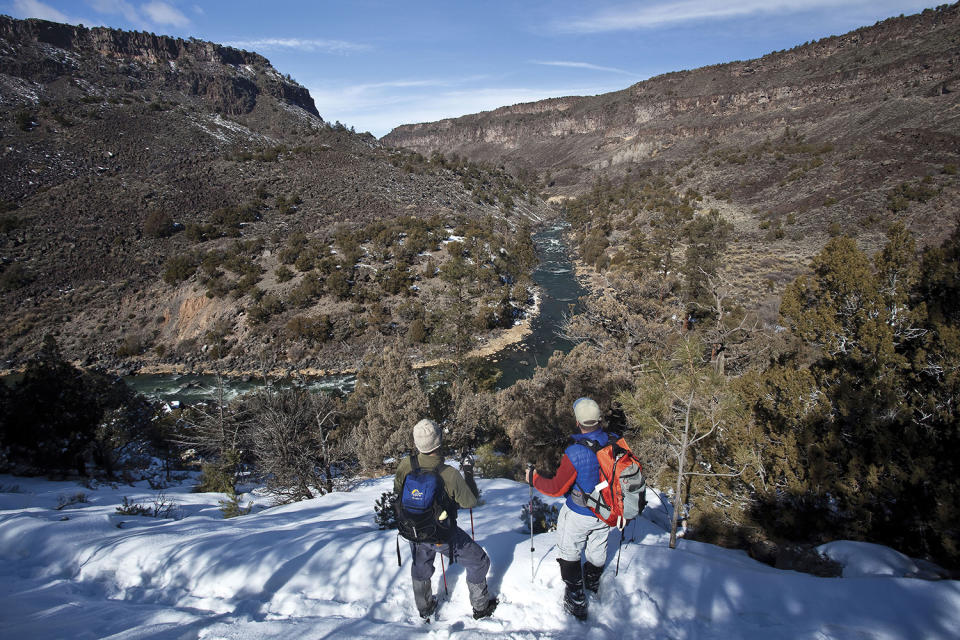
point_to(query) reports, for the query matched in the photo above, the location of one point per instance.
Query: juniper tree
(387, 401)
(706, 237)
(887, 368)
(537, 412)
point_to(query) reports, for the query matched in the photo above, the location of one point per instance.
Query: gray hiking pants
(577, 532)
(461, 549)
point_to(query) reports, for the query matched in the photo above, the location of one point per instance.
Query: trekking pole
(619, 549)
(444, 572)
(472, 534)
(530, 511)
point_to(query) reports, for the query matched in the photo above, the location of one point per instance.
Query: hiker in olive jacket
(460, 547)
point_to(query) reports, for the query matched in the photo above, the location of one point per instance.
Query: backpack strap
(593, 446)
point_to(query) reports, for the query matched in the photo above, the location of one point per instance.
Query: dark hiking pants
(462, 550)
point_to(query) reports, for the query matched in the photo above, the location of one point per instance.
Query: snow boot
(424, 598)
(591, 577)
(487, 610)
(574, 599)
(483, 604)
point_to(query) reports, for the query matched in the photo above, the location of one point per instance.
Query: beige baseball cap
(587, 412)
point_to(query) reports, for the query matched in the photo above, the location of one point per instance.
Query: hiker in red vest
(578, 528)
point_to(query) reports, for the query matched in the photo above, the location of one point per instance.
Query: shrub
(306, 259)
(159, 224)
(292, 437)
(161, 508)
(14, 277)
(283, 273)
(231, 507)
(339, 285)
(417, 333)
(202, 232)
(306, 292)
(396, 280)
(178, 268)
(316, 329)
(950, 169)
(384, 511)
(544, 516)
(68, 501)
(268, 306)
(493, 464)
(132, 345)
(216, 478)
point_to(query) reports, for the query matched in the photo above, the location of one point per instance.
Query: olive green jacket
(457, 488)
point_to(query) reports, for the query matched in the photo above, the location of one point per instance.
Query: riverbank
(489, 346)
(589, 278)
(501, 341)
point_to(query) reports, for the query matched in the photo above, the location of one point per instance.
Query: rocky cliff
(890, 91)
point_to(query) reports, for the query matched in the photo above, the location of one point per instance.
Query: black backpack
(424, 510)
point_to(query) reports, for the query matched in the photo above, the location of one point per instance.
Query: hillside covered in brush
(169, 200)
(843, 135)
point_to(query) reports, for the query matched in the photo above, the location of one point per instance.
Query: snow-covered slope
(322, 569)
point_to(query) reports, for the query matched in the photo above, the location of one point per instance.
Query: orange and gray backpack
(620, 493)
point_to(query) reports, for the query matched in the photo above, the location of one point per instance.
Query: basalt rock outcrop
(230, 80)
(884, 99)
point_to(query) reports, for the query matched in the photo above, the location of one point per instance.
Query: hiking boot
(487, 610)
(591, 577)
(575, 603)
(574, 599)
(423, 597)
(431, 607)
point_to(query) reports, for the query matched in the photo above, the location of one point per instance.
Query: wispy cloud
(146, 15)
(300, 44)
(37, 9)
(165, 14)
(651, 15)
(117, 7)
(582, 65)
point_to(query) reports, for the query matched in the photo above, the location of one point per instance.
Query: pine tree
(683, 402)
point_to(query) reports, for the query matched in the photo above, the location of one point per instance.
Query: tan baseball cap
(587, 412)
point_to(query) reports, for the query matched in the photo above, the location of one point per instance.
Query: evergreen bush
(217, 477)
(493, 464)
(544, 516)
(231, 507)
(384, 511)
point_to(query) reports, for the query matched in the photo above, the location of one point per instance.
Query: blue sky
(376, 64)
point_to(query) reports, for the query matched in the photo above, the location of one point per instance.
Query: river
(558, 290)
